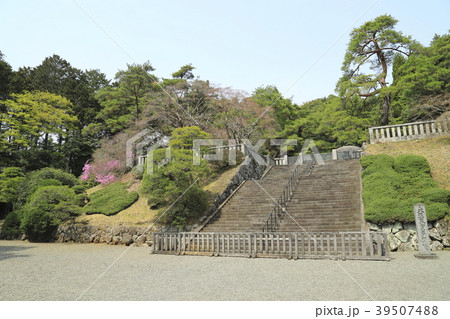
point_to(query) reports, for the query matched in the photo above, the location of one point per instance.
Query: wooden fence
(408, 131)
(297, 245)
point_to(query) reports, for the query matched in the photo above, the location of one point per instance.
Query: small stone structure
(403, 236)
(423, 235)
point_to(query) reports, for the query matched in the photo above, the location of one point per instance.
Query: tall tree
(5, 77)
(33, 118)
(125, 99)
(373, 44)
(421, 86)
(269, 97)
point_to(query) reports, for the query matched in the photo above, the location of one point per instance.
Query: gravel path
(31, 271)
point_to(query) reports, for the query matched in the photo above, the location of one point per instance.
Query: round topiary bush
(48, 207)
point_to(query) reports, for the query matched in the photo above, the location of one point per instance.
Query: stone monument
(423, 236)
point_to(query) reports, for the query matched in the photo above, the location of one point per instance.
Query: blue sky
(296, 45)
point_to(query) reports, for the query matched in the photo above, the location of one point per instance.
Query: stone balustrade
(408, 131)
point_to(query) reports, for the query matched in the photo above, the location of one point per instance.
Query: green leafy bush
(49, 182)
(36, 179)
(11, 179)
(79, 189)
(392, 187)
(11, 225)
(192, 205)
(110, 200)
(47, 207)
(81, 199)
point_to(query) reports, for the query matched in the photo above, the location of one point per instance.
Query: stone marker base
(426, 256)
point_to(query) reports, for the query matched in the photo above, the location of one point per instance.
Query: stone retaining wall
(403, 236)
(112, 235)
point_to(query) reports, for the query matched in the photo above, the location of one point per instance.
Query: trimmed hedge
(412, 165)
(392, 187)
(110, 200)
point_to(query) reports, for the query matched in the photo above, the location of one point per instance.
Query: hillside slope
(435, 150)
(139, 213)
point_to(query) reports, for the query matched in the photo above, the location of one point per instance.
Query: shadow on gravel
(7, 252)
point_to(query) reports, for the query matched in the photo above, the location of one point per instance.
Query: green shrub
(381, 160)
(437, 195)
(79, 189)
(192, 205)
(81, 199)
(35, 179)
(49, 182)
(390, 192)
(110, 200)
(436, 211)
(48, 207)
(11, 225)
(412, 165)
(382, 210)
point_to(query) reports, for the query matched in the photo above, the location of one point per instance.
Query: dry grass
(218, 185)
(138, 214)
(435, 150)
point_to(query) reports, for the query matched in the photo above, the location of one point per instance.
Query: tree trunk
(385, 109)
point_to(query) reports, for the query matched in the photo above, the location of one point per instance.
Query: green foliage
(48, 207)
(110, 200)
(79, 189)
(183, 137)
(10, 180)
(412, 165)
(50, 182)
(164, 185)
(285, 110)
(373, 44)
(421, 82)
(11, 225)
(31, 115)
(392, 187)
(185, 72)
(437, 195)
(192, 205)
(123, 101)
(81, 199)
(327, 123)
(5, 77)
(41, 177)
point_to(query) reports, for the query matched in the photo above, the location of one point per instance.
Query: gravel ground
(32, 271)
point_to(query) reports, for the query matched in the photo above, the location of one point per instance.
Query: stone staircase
(329, 200)
(249, 207)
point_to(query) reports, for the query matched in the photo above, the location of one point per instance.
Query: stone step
(327, 200)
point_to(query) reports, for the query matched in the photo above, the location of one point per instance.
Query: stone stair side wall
(246, 171)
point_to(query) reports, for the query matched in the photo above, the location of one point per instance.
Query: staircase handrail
(273, 219)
